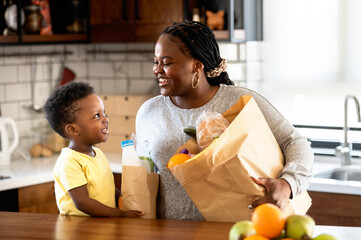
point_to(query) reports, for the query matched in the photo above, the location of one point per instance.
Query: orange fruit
(177, 159)
(256, 237)
(120, 202)
(267, 220)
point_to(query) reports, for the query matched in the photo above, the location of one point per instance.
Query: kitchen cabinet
(335, 209)
(132, 20)
(242, 19)
(38, 199)
(68, 20)
(121, 111)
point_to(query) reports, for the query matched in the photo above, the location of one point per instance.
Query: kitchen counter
(324, 163)
(52, 226)
(23, 173)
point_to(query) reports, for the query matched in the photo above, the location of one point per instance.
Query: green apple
(300, 227)
(324, 237)
(241, 230)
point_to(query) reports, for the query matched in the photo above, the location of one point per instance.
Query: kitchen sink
(347, 173)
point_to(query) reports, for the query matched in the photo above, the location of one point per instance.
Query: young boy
(84, 183)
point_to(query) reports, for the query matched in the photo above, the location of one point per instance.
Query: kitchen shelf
(54, 38)
(63, 30)
(242, 19)
(9, 39)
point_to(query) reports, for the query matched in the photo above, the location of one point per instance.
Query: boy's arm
(94, 208)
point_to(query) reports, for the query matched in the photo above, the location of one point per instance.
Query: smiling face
(92, 123)
(173, 68)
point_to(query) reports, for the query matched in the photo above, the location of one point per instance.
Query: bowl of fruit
(267, 223)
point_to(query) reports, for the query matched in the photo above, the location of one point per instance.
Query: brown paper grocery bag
(218, 180)
(139, 190)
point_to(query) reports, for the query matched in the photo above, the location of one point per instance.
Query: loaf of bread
(210, 125)
(41, 150)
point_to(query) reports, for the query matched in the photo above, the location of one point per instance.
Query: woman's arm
(94, 208)
(298, 158)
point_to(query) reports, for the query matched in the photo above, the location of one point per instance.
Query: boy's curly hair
(60, 108)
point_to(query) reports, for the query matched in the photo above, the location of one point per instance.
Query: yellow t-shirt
(74, 169)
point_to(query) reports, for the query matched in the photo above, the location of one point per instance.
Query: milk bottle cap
(127, 143)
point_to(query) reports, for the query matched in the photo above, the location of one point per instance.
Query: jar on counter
(33, 19)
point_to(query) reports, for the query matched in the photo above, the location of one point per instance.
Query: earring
(196, 84)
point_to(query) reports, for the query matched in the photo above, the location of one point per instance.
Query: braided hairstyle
(61, 108)
(201, 44)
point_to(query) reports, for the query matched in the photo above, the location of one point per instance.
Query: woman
(192, 78)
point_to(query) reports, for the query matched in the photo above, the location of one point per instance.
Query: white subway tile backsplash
(142, 86)
(116, 57)
(107, 86)
(79, 69)
(24, 74)
(16, 49)
(242, 52)
(96, 84)
(2, 94)
(254, 51)
(121, 86)
(26, 110)
(254, 71)
(15, 92)
(134, 69)
(236, 71)
(147, 70)
(100, 69)
(113, 69)
(24, 128)
(10, 110)
(228, 51)
(142, 46)
(42, 48)
(8, 74)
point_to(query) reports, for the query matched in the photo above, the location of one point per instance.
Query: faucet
(344, 150)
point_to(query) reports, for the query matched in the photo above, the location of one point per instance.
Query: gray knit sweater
(159, 129)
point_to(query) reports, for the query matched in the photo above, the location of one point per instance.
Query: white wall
(312, 59)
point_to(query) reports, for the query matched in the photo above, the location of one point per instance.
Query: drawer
(110, 104)
(129, 105)
(38, 198)
(113, 143)
(121, 125)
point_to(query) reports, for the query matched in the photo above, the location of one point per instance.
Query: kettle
(6, 149)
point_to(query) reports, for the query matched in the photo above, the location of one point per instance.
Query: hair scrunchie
(222, 67)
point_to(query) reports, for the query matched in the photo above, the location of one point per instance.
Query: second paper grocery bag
(139, 188)
(218, 180)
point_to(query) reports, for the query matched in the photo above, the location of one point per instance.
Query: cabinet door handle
(136, 10)
(124, 10)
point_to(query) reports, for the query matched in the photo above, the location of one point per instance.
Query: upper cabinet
(44, 21)
(132, 20)
(94, 21)
(230, 20)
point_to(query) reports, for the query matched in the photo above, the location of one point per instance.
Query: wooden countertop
(51, 226)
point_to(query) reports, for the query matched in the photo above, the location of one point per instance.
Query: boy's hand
(132, 214)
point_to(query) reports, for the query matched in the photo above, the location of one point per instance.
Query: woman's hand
(278, 191)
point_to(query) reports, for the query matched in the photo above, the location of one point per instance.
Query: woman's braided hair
(201, 44)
